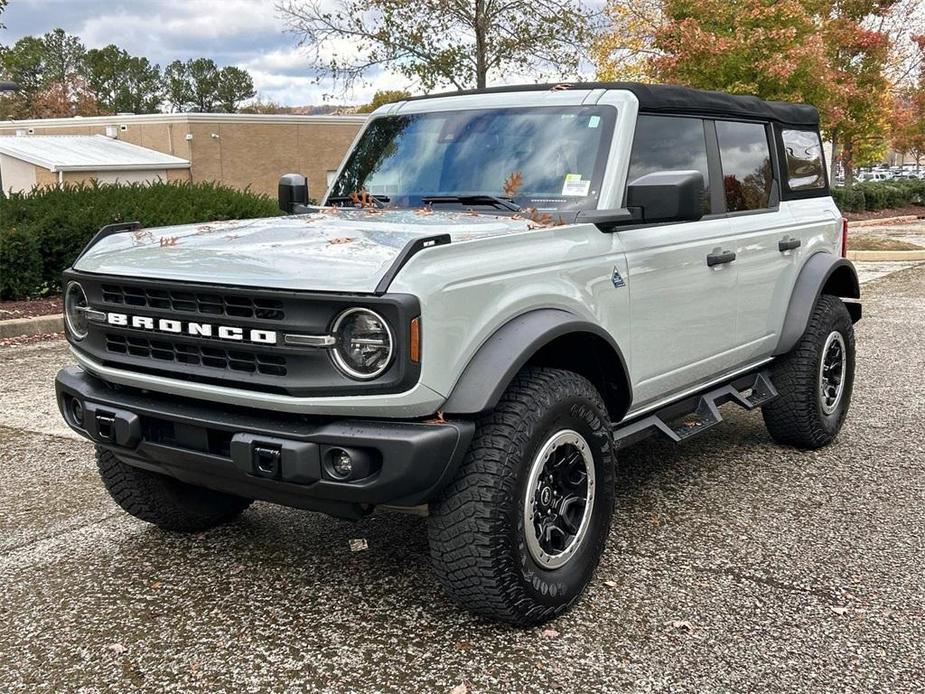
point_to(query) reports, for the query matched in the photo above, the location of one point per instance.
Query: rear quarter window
(804, 161)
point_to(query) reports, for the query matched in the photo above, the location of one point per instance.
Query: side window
(664, 143)
(804, 159)
(746, 159)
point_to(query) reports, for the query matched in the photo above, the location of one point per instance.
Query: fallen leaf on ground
(463, 646)
(550, 633)
(359, 545)
(156, 585)
(681, 624)
(838, 610)
(610, 584)
(117, 648)
(459, 689)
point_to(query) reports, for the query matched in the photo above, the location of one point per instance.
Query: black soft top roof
(670, 98)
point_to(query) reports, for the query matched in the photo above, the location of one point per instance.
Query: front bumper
(225, 448)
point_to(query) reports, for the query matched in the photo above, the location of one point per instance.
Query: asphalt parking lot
(733, 565)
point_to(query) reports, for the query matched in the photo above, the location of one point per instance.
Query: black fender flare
(510, 347)
(822, 273)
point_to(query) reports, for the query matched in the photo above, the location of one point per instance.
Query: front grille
(194, 302)
(198, 355)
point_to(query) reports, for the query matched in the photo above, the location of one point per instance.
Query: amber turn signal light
(416, 340)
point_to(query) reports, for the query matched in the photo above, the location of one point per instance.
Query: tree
(816, 51)
(199, 85)
(49, 72)
(461, 43)
(122, 83)
(234, 86)
(383, 97)
(908, 123)
(3, 4)
(177, 88)
(622, 51)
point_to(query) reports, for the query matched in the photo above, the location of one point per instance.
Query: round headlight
(364, 343)
(75, 310)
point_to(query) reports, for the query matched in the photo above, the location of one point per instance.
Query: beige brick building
(240, 150)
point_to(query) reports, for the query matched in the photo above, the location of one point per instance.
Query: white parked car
(500, 290)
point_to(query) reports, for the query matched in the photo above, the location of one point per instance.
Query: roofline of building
(118, 167)
(276, 118)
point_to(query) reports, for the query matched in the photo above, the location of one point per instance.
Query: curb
(884, 220)
(888, 256)
(40, 325)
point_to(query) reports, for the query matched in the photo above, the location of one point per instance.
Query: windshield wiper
(475, 199)
(377, 201)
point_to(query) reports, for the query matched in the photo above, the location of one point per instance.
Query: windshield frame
(608, 112)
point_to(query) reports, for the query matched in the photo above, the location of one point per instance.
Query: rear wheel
(814, 380)
(517, 535)
(164, 501)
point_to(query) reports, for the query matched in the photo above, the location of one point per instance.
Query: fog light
(341, 464)
(77, 412)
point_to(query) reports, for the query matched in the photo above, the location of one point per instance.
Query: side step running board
(691, 416)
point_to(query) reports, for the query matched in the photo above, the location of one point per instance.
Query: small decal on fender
(617, 279)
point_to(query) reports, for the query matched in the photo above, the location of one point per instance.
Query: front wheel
(518, 533)
(814, 380)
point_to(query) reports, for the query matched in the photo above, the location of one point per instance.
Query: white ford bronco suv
(500, 289)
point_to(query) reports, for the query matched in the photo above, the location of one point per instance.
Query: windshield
(547, 158)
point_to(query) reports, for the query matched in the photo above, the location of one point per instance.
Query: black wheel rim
(559, 498)
(832, 372)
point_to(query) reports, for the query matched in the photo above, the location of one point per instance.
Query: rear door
(768, 242)
(683, 310)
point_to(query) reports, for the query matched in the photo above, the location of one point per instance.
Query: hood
(332, 249)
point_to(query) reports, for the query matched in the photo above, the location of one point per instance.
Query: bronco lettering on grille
(177, 327)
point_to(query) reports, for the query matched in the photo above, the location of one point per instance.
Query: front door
(682, 278)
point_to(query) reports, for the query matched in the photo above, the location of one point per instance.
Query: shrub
(849, 199)
(61, 220)
(20, 263)
(872, 196)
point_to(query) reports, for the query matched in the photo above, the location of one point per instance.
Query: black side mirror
(293, 190)
(668, 196)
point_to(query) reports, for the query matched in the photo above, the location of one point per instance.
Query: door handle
(720, 258)
(785, 245)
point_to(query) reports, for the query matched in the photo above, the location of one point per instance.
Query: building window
(804, 159)
(664, 143)
(746, 160)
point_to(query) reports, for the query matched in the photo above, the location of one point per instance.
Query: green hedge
(41, 233)
(884, 195)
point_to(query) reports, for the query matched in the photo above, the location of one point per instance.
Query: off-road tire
(796, 417)
(476, 529)
(164, 501)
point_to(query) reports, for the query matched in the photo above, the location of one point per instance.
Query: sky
(246, 33)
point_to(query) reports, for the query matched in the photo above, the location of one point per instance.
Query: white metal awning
(87, 153)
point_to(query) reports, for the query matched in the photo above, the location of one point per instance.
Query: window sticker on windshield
(575, 186)
(594, 121)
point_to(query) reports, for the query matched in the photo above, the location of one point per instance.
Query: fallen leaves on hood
(168, 241)
(339, 240)
(512, 183)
